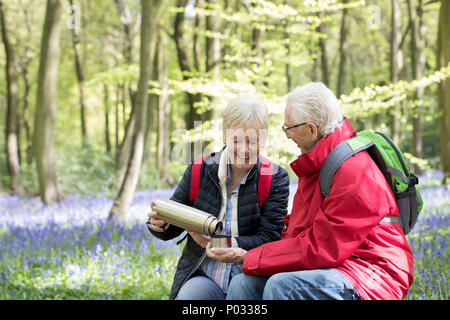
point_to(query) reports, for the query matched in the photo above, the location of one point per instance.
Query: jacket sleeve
(272, 213)
(181, 195)
(358, 200)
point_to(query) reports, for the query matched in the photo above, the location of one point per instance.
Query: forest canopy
(83, 83)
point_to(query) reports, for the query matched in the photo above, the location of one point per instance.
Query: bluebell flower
(46, 240)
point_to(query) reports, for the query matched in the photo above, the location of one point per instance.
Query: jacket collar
(223, 167)
(311, 161)
(224, 172)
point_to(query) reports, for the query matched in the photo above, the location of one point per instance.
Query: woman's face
(244, 145)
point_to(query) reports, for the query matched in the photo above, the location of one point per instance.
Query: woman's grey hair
(245, 112)
(314, 102)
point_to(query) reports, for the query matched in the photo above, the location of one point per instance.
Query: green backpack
(391, 162)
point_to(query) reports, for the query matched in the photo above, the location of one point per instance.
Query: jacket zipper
(212, 179)
(199, 262)
(203, 256)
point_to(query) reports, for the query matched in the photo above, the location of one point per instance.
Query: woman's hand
(201, 239)
(154, 220)
(226, 255)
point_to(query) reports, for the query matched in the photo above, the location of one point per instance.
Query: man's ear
(314, 131)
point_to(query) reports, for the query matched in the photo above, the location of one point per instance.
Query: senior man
(333, 248)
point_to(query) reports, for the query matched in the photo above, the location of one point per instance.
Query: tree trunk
(12, 146)
(124, 107)
(126, 145)
(190, 116)
(179, 40)
(150, 14)
(127, 22)
(150, 110)
(122, 156)
(80, 76)
(43, 138)
(257, 50)
(212, 61)
(213, 42)
(418, 65)
(161, 101)
(323, 51)
(116, 118)
(158, 75)
(107, 130)
(396, 66)
(238, 36)
(342, 52)
(287, 66)
(443, 59)
(195, 39)
(225, 30)
(24, 67)
(25, 116)
(314, 66)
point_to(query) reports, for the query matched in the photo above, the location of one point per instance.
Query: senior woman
(228, 190)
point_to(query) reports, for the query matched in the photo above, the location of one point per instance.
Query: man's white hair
(314, 102)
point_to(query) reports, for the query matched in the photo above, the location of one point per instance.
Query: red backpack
(265, 179)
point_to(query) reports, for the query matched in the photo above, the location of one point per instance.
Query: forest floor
(71, 251)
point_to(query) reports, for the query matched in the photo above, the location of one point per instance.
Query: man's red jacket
(342, 231)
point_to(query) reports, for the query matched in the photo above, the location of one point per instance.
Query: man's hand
(226, 255)
(201, 239)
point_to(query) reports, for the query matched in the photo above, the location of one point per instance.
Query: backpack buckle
(413, 180)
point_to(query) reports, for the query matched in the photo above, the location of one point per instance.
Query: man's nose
(288, 134)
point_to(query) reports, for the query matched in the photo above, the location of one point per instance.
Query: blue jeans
(200, 288)
(318, 284)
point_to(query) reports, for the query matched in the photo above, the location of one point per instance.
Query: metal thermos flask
(186, 217)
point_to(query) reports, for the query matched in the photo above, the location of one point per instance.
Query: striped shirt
(220, 272)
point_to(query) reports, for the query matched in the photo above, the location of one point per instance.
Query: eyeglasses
(286, 128)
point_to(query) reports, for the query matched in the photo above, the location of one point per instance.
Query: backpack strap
(337, 156)
(195, 178)
(265, 180)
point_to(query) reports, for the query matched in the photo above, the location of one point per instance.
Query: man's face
(244, 145)
(305, 136)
